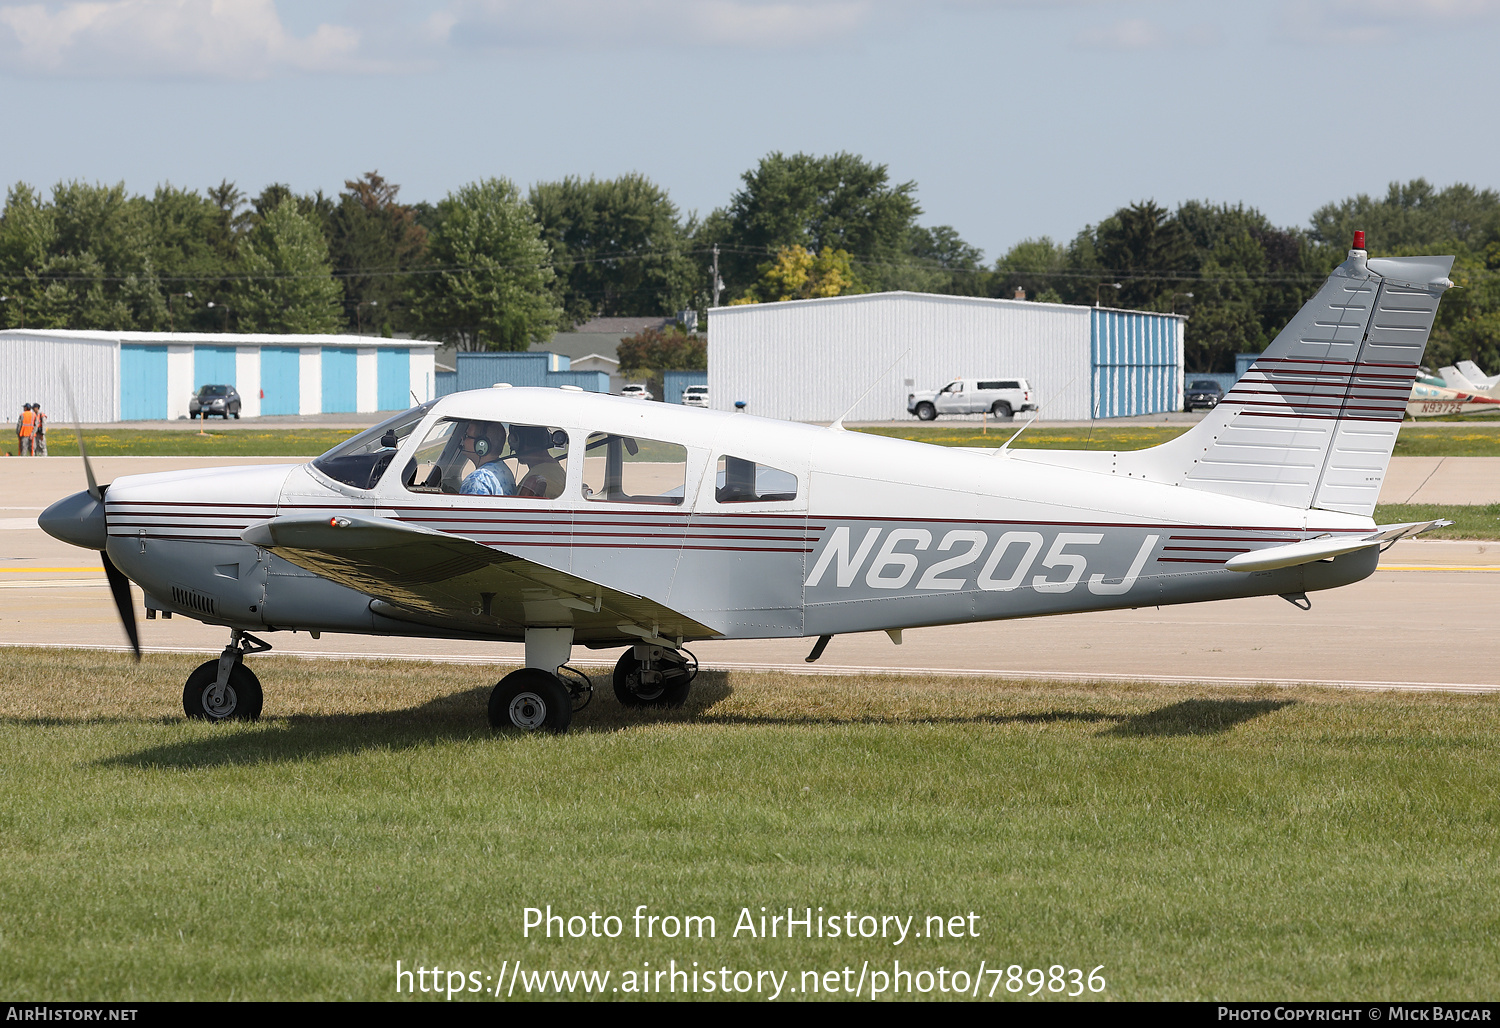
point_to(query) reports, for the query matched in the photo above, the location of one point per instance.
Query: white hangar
(809, 360)
(138, 376)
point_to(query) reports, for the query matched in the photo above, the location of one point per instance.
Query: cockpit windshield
(361, 460)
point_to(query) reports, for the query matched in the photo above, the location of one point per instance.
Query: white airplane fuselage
(881, 533)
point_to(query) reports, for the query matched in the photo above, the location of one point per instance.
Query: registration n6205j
(914, 558)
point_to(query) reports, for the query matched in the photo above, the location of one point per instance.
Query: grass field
(1415, 440)
(186, 442)
(1199, 843)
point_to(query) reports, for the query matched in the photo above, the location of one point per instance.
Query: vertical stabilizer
(1313, 421)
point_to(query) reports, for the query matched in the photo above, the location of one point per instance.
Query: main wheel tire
(531, 700)
(1001, 409)
(241, 700)
(671, 691)
(926, 411)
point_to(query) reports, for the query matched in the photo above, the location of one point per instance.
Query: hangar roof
(217, 338)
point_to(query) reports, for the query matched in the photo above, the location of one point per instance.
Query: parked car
(695, 396)
(1203, 392)
(1001, 397)
(637, 392)
(221, 400)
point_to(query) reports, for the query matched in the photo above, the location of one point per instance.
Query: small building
(139, 376)
(811, 360)
(483, 370)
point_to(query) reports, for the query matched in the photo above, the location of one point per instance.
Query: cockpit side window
(490, 458)
(743, 481)
(360, 461)
(622, 469)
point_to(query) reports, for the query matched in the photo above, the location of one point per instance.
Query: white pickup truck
(1002, 397)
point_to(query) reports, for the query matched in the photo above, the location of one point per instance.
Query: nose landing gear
(225, 689)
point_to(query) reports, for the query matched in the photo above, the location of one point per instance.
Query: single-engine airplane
(562, 518)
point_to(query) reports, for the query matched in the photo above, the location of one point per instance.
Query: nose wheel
(225, 689)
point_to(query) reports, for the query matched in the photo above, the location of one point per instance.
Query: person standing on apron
(39, 444)
(26, 430)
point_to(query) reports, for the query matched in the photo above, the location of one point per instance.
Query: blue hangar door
(393, 379)
(340, 380)
(213, 365)
(143, 382)
(280, 380)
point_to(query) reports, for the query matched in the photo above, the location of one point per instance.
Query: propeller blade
(88, 469)
(119, 587)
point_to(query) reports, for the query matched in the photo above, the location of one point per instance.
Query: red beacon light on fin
(1359, 240)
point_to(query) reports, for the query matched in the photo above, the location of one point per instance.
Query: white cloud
(1141, 34)
(666, 23)
(1375, 22)
(189, 38)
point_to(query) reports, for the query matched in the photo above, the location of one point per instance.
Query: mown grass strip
(1477, 521)
(1415, 440)
(186, 442)
(1198, 843)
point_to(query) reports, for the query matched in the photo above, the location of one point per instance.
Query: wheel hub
(528, 711)
(225, 704)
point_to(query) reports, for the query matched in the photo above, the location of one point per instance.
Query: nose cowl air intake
(77, 519)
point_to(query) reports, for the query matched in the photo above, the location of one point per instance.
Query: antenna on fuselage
(838, 424)
(1034, 415)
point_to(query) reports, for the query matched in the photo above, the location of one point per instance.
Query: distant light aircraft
(563, 518)
(1459, 394)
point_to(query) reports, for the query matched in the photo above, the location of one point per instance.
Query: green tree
(286, 282)
(1035, 265)
(1417, 218)
(841, 202)
(798, 274)
(494, 289)
(652, 351)
(375, 241)
(79, 261)
(618, 245)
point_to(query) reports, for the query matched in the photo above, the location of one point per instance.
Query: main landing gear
(225, 689)
(654, 676)
(543, 696)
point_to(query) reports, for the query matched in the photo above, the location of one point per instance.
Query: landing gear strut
(538, 698)
(225, 689)
(654, 676)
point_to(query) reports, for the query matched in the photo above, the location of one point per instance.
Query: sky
(1015, 118)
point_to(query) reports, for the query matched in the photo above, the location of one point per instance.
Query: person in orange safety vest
(26, 431)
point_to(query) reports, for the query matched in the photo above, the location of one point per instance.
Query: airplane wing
(1321, 549)
(431, 578)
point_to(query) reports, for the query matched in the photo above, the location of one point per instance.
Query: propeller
(119, 585)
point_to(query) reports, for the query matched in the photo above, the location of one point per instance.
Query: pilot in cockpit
(483, 443)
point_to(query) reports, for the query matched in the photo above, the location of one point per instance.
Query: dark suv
(1204, 392)
(215, 399)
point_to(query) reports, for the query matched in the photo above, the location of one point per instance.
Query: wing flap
(453, 582)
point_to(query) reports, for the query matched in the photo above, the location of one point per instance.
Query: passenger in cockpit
(484, 443)
(544, 477)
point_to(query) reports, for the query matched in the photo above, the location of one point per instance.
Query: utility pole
(718, 283)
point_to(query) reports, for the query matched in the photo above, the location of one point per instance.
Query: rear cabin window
(743, 481)
(490, 458)
(622, 469)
